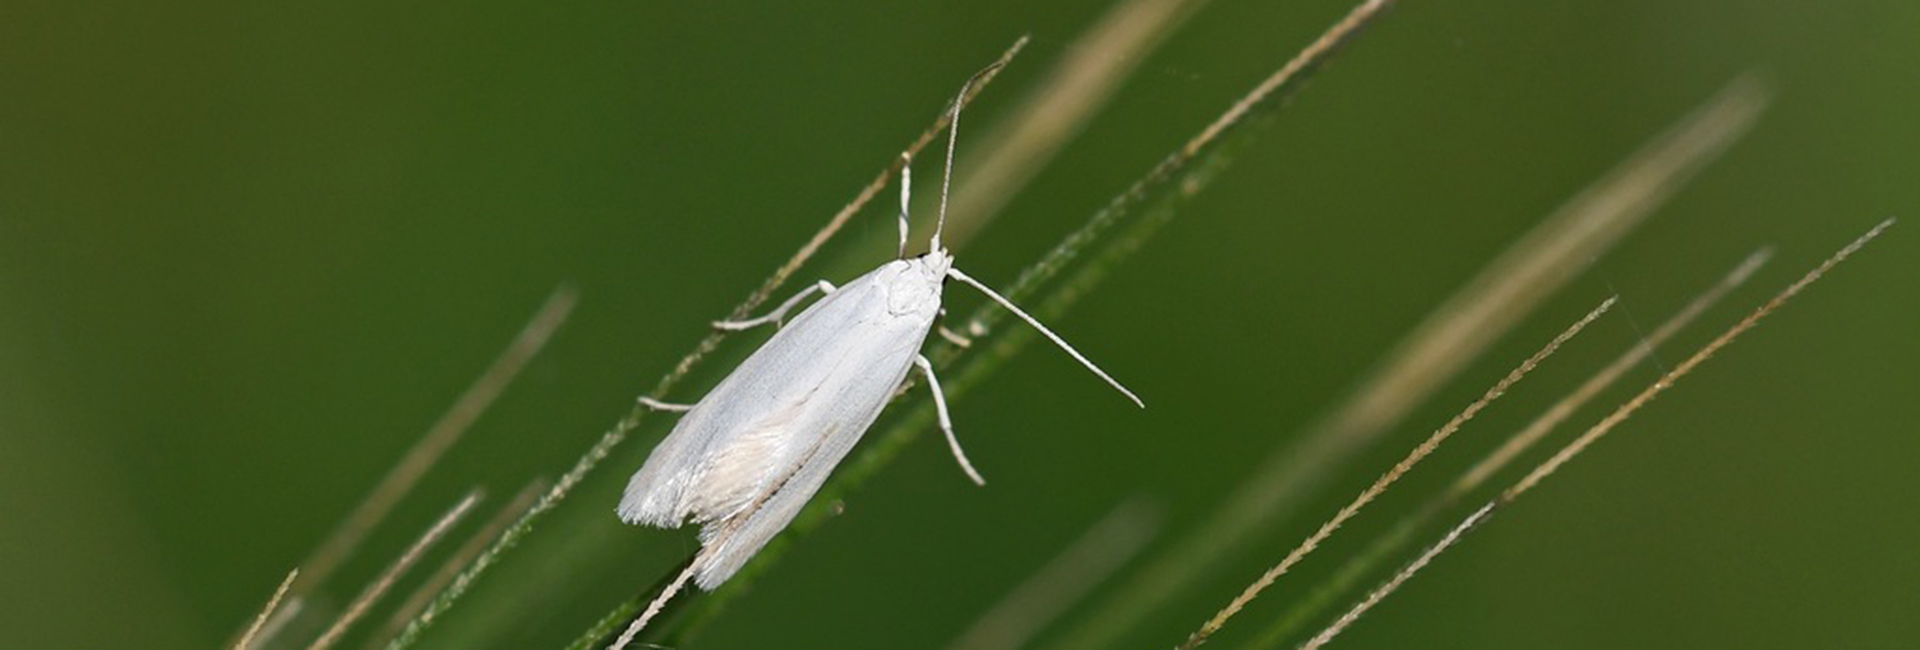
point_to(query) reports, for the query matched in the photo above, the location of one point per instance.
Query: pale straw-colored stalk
(1594, 434)
(1380, 485)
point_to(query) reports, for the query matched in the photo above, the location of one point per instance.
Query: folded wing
(752, 452)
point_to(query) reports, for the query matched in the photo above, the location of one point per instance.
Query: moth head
(934, 264)
(915, 283)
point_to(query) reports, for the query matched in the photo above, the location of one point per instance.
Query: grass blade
(1393, 542)
(405, 474)
(1380, 485)
(1059, 107)
(1380, 593)
(1594, 434)
(382, 584)
(460, 557)
(1510, 287)
(248, 637)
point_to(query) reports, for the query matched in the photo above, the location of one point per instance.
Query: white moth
(745, 458)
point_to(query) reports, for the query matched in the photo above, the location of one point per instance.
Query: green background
(248, 251)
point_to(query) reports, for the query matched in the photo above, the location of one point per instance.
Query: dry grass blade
(1099, 552)
(1180, 175)
(603, 447)
(1387, 480)
(1059, 107)
(1667, 380)
(434, 444)
(1509, 288)
(1566, 406)
(384, 582)
(248, 637)
(468, 550)
(624, 615)
(1391, 543)
(1189, 158)
(1360, 16)
(1387, 588)
(653, 608)
(839, 220)
(1593, 434)
(1535, 266)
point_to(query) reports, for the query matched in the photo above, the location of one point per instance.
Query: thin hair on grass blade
(1386, 480)
(384, 582)
(1599, 430)
(1395, 541)
(1511, 286)
(1147, 204)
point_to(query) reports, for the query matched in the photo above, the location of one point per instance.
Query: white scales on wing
(744, 459)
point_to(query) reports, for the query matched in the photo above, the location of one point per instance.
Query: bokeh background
(249, 251)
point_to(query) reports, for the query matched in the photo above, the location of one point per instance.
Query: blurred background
(249, 252)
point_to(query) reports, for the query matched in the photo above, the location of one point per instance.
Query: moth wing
(860, 380)
(753, 430)
(732, 435)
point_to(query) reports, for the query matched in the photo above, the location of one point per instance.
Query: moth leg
(951, 336)
(946, 421)
(779, 313)
(669, 407)
(954, 337)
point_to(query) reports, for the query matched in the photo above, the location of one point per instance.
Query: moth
(745, 458)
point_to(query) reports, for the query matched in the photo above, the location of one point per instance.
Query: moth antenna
(906, 194)
(953, 135)
(957, 275)
(946, 173)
